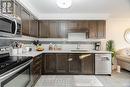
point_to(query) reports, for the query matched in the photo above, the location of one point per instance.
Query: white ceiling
(48, 8)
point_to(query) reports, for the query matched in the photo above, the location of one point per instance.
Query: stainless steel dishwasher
(103, 64)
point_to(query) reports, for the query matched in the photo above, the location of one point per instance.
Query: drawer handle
(70, 59)
(105, 58)
(84, 56)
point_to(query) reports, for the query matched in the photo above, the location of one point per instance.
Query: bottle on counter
(51, 46)
(55, 47)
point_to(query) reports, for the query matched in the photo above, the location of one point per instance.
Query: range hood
(76, 36)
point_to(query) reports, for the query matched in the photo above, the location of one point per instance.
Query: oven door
(17, 78)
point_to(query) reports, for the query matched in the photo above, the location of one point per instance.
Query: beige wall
(115, 31)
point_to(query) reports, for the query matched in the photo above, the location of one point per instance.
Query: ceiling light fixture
(64, 3)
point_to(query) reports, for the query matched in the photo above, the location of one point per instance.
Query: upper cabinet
(25, 16)
(59, 29)
(92, 29)
(17, 9)
(44, 29)
(101, 28)
(29, 24)
(33, 27)
(52, 29)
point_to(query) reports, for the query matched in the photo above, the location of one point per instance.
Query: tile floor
(116, 80)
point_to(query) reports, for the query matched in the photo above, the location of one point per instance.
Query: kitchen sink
(79, 50)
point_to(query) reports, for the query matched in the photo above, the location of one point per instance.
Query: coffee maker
(98, 46)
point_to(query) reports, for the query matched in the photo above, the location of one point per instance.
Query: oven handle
(16, 27)
(15, 71)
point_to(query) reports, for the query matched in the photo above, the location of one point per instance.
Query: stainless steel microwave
(10, 26)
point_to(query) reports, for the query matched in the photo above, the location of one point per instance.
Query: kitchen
(45, 50)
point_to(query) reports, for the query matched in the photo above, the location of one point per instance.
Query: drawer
(103, 57)
(37, 58)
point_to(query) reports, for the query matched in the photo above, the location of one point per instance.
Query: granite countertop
(36, 53)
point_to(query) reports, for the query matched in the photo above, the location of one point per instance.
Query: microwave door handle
(15, 71)
(16, 27)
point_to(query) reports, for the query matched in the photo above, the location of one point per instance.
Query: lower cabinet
(49, 63)
(55, 63)
(74, 64)
(36, 69)
(87, 63)
(68, 63)
(61, 63)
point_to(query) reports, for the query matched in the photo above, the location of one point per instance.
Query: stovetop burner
(5, 64)
(8, 62)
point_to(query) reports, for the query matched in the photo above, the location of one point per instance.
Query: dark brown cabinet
(61, 63)
(87, 63)
(72, 26)
(52, 29)
(60, 28)
(101, 27)
(49, 63)
(74, 63)
(44, 29)
(62, 31)
(25, 16)
(92, 29)
(68, 63)
(36, 68)
(55, 63)
(17, 10)
(33, 27)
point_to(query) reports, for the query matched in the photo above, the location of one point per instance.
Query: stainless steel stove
(14, 70)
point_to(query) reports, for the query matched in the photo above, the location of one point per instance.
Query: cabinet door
(17, 10)
(74, 64)
(36, 68)
(93, 29)
(61, 63)
(33, 27)
(50, 63)
(44, 29)
(62, 33)
(72, 26)
(54, 29)
(25, 22)
(83, 24)
(101, 25)
(87, 63)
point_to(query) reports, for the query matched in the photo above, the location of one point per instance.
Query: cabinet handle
(84, 56)
(70, 59)
(105, 58)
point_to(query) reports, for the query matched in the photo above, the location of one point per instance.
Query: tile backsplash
(5, 42)
(65, 45)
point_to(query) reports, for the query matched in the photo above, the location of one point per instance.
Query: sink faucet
(78, 46)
